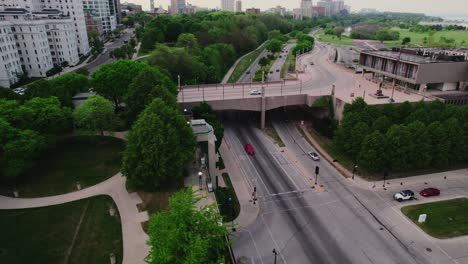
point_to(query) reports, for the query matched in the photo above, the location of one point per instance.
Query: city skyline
(456, 7)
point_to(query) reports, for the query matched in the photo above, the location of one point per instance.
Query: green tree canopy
(185, 234)
(112, 80)
(96, 114)
(159, 144)
(187, 41)
(373, 154)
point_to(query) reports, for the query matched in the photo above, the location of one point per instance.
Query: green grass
(222, 196)
(445, 219)
(44, 235)
(335, 40)
(271, 132)
(289, 65)
(417, 38)
(87, 159)
(244, 64)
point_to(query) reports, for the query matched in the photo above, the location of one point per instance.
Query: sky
(431, 7)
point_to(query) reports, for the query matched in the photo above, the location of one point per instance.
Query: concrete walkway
(134, 238)
(248, 211)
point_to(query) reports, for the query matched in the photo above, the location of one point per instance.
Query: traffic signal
(317, 169)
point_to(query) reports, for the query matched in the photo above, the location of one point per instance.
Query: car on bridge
(405, 195)
(255, 92)
(249, 149)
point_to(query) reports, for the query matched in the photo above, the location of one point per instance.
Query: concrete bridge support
(263, 110)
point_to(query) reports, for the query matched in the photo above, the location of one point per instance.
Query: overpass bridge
(238, 96)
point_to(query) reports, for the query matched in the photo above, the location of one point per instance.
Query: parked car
(429, 192)
(405, 195)
(277, 70)
(255, 92)
(248, 72)
(249, 149)
(313, 156)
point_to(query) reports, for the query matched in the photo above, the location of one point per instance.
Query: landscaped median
(445, 219)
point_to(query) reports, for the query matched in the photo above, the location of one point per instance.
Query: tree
(159, 144)
(112, 80)
(381, 124)
(440, 144)
(187, 41)
(83, 71)
(97, 46)
(398, 146)
(96, 114)
(358, 133)
(44, 115)
(185, 234)
(274, 34)
(419, 154)
(9, 94)
(338, 31)
(405, 40)
(67, 85)
(147, 86)
(274, 45)
(39, 88)
(263, 61)
(455, 132)
(373, 154)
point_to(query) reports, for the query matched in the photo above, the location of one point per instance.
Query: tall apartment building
(105, 9)
(177, 7)
(227, 5)
(306, 8)
(71, 8)
(239, 6)
(327, 7)
(10, 64)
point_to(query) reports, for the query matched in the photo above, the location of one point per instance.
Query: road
(305, 225)
(247, 77)
(104, 58)
(275, 70)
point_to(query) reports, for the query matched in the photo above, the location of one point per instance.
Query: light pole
(200, 174)
(317, 169)
(384, 178)
(233, 213)
(276, 253)
(354, 170)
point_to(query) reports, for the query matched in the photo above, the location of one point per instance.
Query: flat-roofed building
(419, 69)
(10, 64)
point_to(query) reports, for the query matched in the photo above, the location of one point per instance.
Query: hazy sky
(455, 7)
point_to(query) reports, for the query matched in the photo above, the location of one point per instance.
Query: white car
(405, 195)
(255, 92)
(313, 155)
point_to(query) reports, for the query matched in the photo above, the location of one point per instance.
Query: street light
(317, 169)
(276, 253)
(354, 170)
(200, 174)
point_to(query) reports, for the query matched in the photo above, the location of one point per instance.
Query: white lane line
(274, 241)
(256, 248)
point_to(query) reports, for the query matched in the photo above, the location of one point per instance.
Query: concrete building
(277, 10)
(152, 10)
(418, 69)
(318, 11)
(62, 42)
(337, 7)
(93, 22)
(10, 64)
(297, 14)
(131, 9)
(327, 6)
(238, 6)
(106, 10)
(177, 7)
(71, 8)
(252, 10)
(227, 5)
(306, 8)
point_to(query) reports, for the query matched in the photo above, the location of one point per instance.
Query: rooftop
(419, 55)
(200, 126)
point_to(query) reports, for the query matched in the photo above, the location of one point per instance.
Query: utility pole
(276, 253)
(317, 169)
(263, 104)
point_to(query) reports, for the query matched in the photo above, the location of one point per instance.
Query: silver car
(313, 156)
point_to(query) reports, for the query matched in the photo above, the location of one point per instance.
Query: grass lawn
(87, 159)
(45, 235)
(417, 38)
(335, 40)
(244, 64)
(222, 196)
(445, 219)
(271, 132)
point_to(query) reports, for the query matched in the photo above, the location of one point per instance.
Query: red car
(429, 192)
(249, 149)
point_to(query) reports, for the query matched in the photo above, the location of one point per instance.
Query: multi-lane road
(327, 224)
(275, 70)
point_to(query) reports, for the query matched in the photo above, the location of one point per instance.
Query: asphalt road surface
(275, 71)
(104, 58)
(305, 225)
(248, 75)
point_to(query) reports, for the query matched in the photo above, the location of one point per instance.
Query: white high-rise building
(10, 64)
(306, 8)
(227, 5)
(239, 6)
(62, 42)
(177, 7)
(71, 8)
(106, 10)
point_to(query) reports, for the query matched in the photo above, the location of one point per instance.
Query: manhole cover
(428, 249)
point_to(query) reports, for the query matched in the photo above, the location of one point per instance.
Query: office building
(10, 64)
(306, 8)
(152, 10)
(93, 22)
(252, 10)
(70, 8)
(418, 69)
(177, 7)
(227, 5)
(106, 10)
(238, 6)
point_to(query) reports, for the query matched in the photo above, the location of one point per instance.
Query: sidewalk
(134, 238)
(248, 211)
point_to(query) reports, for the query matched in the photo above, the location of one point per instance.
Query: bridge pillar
(262, 113)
